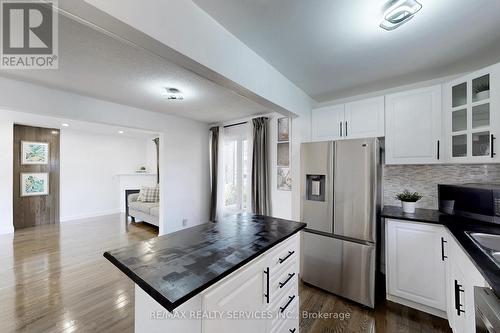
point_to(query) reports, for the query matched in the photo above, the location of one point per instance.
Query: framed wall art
(33, 184)
(283, 129)
(33, 153)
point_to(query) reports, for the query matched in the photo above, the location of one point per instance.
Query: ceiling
(335, 48)
(94, 64)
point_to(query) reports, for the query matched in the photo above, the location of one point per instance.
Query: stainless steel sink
(488, 241)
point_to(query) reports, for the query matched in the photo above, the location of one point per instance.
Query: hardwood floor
(387, 317)
(53, 278)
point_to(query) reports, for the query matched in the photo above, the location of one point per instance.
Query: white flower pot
(408, 207)
(483, 95)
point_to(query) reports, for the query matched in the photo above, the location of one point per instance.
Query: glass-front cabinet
(472, 117)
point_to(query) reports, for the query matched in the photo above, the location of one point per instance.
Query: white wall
(6, 171)
(90, 168)
(184, 179)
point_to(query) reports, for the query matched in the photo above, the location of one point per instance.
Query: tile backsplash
(425, 178)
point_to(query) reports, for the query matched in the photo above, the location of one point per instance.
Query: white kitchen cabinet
(462, 276)
(472, 117)
(248, 285)
(358, 119)
(413, 126)
(365, 118)
(240, 302)
(327, 123)
(268, 284)
(415, 266)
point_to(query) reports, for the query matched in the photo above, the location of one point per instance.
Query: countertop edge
(171, 306)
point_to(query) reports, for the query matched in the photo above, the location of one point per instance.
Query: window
(236, 170)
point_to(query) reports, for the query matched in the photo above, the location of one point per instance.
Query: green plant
(408, 196)
(482, 87)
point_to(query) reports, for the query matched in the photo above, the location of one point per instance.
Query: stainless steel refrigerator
(340, 201)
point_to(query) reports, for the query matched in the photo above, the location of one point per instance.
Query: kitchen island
(237, 275)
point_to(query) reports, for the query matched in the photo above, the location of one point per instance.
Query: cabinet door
(365, 118)
(462, 277)
(416, 271)
(472, 117)
(413, 126)
(241, 291)
(328, 123)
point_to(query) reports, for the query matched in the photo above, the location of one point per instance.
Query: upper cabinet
(327, 123)
(359, 119)
(471, 117)
(365, 118)
(413, 127)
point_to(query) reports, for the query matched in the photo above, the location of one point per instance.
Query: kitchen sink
(488, 243)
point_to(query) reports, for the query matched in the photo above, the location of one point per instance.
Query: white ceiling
(335, 48)
(95, 64)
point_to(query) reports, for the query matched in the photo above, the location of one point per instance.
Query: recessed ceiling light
(120, 132)
(398, 12)
(65, 125)
(172, 94)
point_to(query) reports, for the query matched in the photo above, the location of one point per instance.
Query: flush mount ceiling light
(398, 12)
(65, 125)
(120, 132)
(173, 94)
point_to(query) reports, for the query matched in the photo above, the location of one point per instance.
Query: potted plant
(482, 91)
(408, 200)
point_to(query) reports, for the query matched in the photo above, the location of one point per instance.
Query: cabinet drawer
(287, 325)
(284, 282)
(284, 254)
(286, 307)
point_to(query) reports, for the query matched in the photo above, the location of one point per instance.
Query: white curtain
(221, 181)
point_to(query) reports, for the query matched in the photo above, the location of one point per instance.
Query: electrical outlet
(184, 222)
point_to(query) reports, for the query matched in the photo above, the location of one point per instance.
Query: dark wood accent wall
(36, 210)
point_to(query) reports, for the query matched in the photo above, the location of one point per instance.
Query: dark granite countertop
(458, 227)
(175, 267)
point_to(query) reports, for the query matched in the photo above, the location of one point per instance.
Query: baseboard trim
(90, 215)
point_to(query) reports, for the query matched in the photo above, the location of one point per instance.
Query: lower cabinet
(260, 297)
(462, 276)
(227, 298)
(263, 296)
(416, 272)
(427, 269)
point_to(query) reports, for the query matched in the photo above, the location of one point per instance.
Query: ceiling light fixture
(398, 12)
(120, 132)
(65, 125)
(173, 94)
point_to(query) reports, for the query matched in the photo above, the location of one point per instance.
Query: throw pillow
(149, 194)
